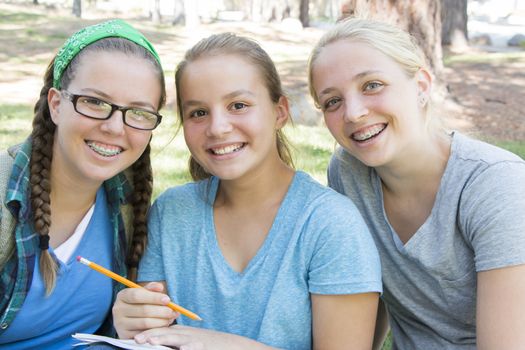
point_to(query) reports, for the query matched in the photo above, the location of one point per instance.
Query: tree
(454, 19)
(304, 16)
(422, 18)
(155, 12)
(77, 8)
(191, 13)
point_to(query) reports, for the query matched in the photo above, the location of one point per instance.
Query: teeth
(227, 149)
(368, 133)
(104, 150)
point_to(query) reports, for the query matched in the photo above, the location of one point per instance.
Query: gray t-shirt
(477, 224)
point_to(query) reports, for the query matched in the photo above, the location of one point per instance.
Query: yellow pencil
(131, 284)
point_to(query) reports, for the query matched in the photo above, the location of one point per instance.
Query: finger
(142, 296)
(155, 287)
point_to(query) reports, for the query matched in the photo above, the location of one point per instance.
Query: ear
(424, 82)
(283, 112)
(53, 101)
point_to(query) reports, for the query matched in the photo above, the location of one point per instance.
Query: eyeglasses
(96, 108)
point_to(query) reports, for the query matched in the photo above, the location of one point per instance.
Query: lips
(227, 149)
(368, 133)
(103, 149)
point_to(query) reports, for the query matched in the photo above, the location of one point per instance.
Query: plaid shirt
(16, 277)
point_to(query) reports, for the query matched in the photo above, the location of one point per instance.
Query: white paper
(122, 343)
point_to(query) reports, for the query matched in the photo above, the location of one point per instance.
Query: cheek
(333, 123)
(140, 139)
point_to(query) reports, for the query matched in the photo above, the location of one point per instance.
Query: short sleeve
(151, 266)
(492, 215)
(345, 259)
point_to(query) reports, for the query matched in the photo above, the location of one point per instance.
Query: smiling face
(91, 151)
(229, 120)
(369, 103)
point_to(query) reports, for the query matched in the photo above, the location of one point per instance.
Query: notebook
(130, 344)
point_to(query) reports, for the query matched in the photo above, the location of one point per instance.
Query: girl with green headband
(79, 185)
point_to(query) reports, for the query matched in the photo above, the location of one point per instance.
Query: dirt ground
(485, 99)
(488, 98)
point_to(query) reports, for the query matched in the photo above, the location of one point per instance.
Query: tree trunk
(155, 13)
(304, 16)
(422, 18)
(454, 19)
(77, 8)
(178, 12)
(191, 13)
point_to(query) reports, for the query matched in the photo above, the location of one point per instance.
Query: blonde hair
(388, 39)
(250, 50)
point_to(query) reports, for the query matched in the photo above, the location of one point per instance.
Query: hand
(139, 309)
(191, 338)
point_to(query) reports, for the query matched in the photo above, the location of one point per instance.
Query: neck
(69, 195)
(257, 189)
(418, 169)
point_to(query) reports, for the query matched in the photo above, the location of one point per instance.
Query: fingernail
(165, 299)
(139, 338)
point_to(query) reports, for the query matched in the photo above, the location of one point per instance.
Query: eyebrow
(357, 76)
(225, 97)
(106, 96)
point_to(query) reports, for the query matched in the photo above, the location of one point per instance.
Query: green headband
(88, 35)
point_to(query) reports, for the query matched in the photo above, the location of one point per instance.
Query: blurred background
(476, 49)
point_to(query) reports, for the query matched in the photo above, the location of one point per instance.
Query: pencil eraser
(78, 258)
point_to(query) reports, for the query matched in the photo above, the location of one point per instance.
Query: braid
(42, 137)
(143, 187)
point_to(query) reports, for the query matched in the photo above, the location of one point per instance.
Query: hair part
(249, 50)
(42, 137)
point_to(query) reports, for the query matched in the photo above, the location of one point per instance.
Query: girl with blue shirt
(66, 191)
(265, 255)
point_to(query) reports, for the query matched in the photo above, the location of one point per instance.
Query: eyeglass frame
(114, 107)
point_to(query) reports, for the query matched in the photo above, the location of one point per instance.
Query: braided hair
(42, 138)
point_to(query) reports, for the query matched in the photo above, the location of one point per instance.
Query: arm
(344, 321)
(139, 309)
(500, 317)
(382, 326)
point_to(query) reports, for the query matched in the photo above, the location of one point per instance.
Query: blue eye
(331, 103)
(373, 85)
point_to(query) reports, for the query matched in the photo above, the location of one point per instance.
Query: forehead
(353, 54)
(224, 72)
(116, 73)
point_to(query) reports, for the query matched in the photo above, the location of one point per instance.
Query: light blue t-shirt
(318, 244)
(80, 301)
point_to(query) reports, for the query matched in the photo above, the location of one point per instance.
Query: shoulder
(469, 149)
(187, 195)
(324, 206)
(345, 166)
(483, 164)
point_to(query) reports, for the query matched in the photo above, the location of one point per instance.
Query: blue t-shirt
(80, 301)
(318, 243)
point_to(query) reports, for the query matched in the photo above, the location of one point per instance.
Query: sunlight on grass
(485, 57)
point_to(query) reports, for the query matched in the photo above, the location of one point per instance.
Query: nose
(115, 124)
(219, 124)
(355, 109)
